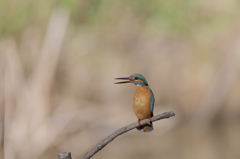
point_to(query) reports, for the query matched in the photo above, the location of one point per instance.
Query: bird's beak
(124, 78)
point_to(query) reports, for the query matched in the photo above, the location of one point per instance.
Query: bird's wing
(152, 101)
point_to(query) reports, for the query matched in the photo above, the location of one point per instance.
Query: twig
(64, 155)
(123, 130)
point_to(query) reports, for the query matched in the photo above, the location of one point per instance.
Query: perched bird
(143, 100)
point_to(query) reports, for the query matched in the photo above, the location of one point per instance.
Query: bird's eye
(136, 78)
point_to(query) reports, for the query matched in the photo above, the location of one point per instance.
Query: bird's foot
(139, 122)
(150, 119)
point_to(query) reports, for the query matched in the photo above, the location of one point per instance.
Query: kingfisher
(143, 102)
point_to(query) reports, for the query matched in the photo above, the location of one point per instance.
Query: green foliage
(188, 19)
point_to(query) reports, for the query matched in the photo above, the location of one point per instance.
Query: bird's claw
(139, 122)
(150, 119)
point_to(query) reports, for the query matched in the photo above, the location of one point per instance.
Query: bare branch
(64, 155)
(123, 130)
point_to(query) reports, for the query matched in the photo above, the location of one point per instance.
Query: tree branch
(64, 155)
(123, 130)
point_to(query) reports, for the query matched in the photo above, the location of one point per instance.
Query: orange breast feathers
(141, 104)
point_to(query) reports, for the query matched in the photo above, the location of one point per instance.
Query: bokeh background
(58, 61)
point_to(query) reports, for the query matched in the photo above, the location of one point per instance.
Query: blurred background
(58, 61)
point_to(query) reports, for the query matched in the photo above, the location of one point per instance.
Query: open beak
(124, 78)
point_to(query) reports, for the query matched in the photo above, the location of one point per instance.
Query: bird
(143, 103)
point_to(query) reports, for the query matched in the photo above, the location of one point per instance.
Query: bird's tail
(146, 128)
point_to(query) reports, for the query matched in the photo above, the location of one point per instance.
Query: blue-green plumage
(152, 101)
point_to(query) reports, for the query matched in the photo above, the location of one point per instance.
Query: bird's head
(137, 79)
